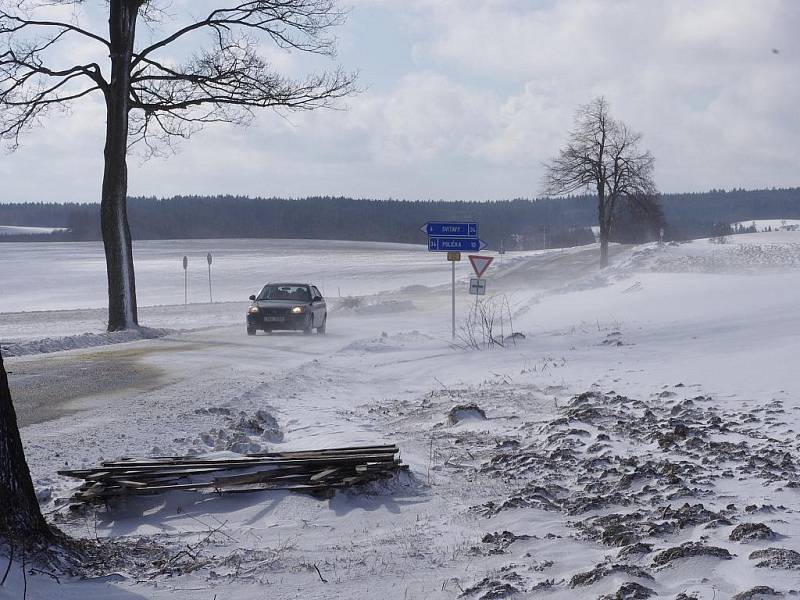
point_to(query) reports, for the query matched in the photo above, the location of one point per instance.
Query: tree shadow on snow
(41, 586)
(172, 511)
(168, 513)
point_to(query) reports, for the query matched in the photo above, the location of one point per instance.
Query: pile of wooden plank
(318, 472)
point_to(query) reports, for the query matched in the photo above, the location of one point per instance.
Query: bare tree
(601, 155)
(21, 521)
(152, 98)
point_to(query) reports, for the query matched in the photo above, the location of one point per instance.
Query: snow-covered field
(770, 225)
(55, 290)
(642, 435)
(57, 276)
(22, 230)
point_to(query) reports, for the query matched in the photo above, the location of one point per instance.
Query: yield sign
(480, 263)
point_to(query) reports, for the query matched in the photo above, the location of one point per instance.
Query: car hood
(279, 303)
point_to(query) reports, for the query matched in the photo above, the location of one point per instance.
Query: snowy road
(52, 387)
(49, 387)
(694, 332)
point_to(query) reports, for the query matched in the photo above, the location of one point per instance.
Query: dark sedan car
(292, 306)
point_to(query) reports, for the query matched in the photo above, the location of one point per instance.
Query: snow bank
(744, 253)
(84, 340)
(21, 230)
(388, 343)
(358, 306)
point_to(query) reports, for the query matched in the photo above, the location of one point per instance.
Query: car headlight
(253, 310)
(298, 309)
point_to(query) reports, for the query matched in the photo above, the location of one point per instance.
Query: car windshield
(298, 293)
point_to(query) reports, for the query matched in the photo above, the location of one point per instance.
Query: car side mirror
(253, 298)
(317, 299)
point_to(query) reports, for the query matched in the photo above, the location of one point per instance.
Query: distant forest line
(518, 224)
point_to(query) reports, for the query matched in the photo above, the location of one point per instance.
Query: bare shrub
(488, 325)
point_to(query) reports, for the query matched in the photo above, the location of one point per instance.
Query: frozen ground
(643, 433)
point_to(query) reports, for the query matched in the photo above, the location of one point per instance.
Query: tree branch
(278, 19)
(6, 19)
(223, 83)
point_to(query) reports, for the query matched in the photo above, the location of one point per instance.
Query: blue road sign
(442, 229)
(454, 244)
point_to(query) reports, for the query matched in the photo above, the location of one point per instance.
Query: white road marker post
(185, 282)
(210, 297)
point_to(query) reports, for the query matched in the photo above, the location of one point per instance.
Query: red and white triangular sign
(480, 263)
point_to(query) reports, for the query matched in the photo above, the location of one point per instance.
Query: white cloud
(487, 94)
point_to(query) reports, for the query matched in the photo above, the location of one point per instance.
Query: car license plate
(273, 319)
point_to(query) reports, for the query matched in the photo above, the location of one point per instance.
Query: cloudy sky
(465, 99)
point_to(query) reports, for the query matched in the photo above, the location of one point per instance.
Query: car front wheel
(321, 328)
(251, 330)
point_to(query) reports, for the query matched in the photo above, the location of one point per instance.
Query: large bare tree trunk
(603, 249)
(602, 220)
(21, 520)
(122, 311)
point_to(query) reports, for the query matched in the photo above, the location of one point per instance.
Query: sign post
(442, 229)
(480, 263)
(210, 297)
(453, 298)
(453, 257)
(478, 286)
(185, 282)
(453, 238)
(455, 244)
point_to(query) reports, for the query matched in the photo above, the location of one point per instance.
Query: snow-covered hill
(643, 433)
(770, 225)
(22, 230)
